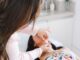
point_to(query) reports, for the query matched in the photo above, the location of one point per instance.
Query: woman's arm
(14, 52)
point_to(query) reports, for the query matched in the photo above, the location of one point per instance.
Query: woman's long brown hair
(13, 15)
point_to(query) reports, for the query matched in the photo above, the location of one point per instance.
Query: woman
(15, 15)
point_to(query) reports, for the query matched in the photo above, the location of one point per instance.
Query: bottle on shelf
(52, 6)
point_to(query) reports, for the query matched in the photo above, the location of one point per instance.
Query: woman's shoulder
(17, 35)
(18, 38)
(12, 40)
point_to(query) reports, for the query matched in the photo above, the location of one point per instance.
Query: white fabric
(15, 53)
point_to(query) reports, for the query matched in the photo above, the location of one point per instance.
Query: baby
(41, 38)
(60, 53)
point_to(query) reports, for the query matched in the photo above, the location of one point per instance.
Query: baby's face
(40, 38)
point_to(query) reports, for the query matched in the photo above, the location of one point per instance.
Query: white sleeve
(14, 52)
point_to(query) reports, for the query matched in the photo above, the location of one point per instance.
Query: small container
(60, 5)
(52, 6)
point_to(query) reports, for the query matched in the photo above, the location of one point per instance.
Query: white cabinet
(61, 29)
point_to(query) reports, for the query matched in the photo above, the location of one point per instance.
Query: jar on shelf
(60, 5)
(52, 6)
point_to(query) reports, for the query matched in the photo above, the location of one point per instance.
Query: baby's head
(40, 38)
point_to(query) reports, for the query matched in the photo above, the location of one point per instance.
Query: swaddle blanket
(62, 54)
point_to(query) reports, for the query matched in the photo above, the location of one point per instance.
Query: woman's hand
(46, 48)
(41, 40)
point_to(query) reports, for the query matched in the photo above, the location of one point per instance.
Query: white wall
(62, 30)
(76, 28)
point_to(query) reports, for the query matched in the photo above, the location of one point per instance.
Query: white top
(17, 45)
(15, 53)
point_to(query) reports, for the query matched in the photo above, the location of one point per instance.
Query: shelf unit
(69, 12)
